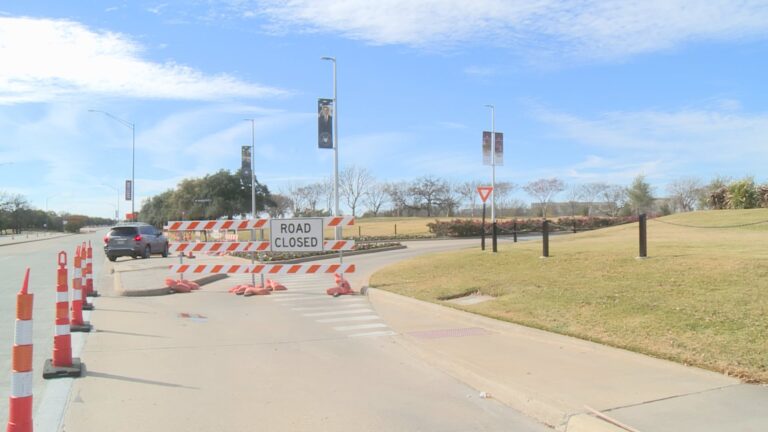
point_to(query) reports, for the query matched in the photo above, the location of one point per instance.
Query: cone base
(85, 327)
(75, 371)
(87, 306)
(93, 294)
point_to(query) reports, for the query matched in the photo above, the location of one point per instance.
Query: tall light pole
(335, 148)
(253, 195)
(132, 126)
(493, 172)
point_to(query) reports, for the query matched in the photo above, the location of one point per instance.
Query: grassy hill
(701, 297)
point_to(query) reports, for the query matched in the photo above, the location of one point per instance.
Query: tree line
(17, 215)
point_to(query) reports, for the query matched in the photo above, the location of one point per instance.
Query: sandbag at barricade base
(274, 285)
(342, 287)
(181, 285)
(249, 290)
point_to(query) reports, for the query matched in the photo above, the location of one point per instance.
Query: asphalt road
(40, 257)
(293, 361)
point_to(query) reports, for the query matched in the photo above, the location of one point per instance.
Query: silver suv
(134, 240)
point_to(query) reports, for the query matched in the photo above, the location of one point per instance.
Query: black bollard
(482, 231)
(643, 236)
(495, 249)
(545, 238)
(514, 231)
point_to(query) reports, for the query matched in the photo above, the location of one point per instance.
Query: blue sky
(584, 90)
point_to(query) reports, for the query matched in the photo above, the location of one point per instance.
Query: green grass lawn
(701, 298)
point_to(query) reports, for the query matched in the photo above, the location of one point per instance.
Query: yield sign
(485, 192)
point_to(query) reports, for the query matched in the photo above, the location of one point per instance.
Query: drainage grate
(446, 333)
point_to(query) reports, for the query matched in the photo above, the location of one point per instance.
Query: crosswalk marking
(360, 327)
(352, 318)
(341, 312)
(319, 308)
(376, 333)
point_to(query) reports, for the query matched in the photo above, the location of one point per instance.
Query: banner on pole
(128, 190)
(325, 123)
(486, 148)
(498, 154)
(245, 168)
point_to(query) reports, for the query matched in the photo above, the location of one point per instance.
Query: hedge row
(472, 227)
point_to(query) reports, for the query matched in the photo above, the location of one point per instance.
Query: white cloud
(606, 29)
(45, 60)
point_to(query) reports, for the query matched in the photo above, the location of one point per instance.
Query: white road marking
(315, 298)
(328, 308)
(341, 312)
(372, 334)
(354, 318)
(360, 327)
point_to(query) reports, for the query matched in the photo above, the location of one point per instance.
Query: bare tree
(374, 197)
(685, 193)
(450, 199)
(575, 194)
(353, 184)
(428, 191)
(591, 192)
(615, 197)
(503, 192)
(326, 192)
(543, 190)
(281, 206)
(468, 193)
(398, 196)
(297, 199)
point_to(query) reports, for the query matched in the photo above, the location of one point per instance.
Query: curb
(152, 292)
(540, 407)
(332, 256)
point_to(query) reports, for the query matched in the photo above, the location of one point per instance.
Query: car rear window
(122, 232)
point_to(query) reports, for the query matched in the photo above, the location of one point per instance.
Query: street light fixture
(132, 126)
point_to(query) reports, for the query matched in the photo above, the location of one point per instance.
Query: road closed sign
(296, 235)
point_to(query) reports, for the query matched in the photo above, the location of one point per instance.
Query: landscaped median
(700, 298)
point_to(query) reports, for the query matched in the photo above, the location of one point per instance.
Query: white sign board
(296, 235)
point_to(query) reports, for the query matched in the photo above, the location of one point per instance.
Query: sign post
(485, 192)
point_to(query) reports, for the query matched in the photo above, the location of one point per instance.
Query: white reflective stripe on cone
(77, 273)
(21, 384)
(62, 330)
(77, 295)
(62, 297)
(23, 332)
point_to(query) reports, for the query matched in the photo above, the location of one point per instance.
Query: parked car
(134, 240)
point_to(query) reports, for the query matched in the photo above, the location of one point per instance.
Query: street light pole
(253, 196)
(493, 173)
(335, 147)
(132, 126)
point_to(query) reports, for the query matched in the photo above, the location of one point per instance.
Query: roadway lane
(293, 361)
(40, 257)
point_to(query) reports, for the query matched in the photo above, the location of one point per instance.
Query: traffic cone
(20, 411)
(91, 292)
(62, 365)
(77, 324)
(342, 287)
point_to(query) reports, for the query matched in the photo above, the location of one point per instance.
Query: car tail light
(137, 238)
(106, 239)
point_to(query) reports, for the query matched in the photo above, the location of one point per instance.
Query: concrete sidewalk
(556, 379)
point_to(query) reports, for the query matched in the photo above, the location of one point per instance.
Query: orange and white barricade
(20, 412)
(62, 364)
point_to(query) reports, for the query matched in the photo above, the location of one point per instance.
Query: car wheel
(111, 258)
(165, 251)
(147, 252)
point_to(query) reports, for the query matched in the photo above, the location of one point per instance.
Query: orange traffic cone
(77, 324)
(20, 412)
(62, 365)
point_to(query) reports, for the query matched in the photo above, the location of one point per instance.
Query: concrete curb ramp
(549, 377)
